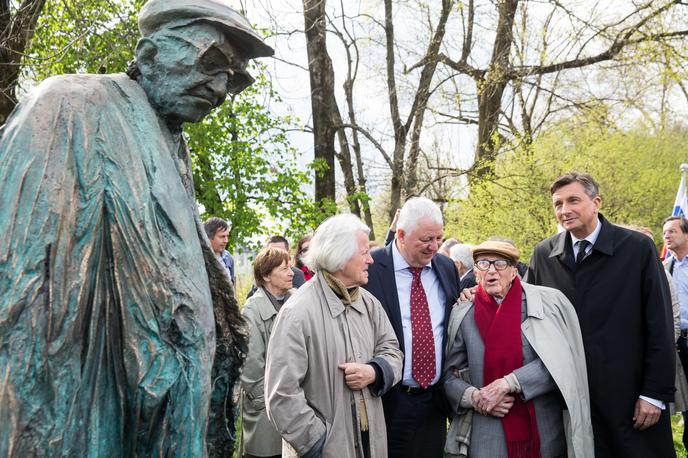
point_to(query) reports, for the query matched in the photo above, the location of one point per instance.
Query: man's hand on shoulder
(467, 294)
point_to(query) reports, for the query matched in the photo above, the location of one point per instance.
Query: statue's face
(187, 72)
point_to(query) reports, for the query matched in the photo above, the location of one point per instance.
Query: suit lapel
(389, 288)
(446, 288)
(563, 250)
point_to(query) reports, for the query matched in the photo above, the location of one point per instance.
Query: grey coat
(258, 436)
(554, 368)
(307, 396)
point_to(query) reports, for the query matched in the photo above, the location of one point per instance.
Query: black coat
(468, 281)
(622, 299)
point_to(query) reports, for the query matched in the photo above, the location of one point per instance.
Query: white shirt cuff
(654, 402)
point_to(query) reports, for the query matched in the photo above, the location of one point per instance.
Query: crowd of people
(430, 347)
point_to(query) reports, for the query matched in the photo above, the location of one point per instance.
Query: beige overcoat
(306, 392)
(258, 436)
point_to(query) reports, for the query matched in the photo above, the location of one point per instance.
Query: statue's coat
(107, 334)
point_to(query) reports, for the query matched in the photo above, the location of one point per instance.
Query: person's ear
(146, 50)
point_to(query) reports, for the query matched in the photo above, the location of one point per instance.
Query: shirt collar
(592, 237)
(399, 260)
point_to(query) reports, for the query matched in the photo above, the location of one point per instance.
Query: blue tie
(582, 247)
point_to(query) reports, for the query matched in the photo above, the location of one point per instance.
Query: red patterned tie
(423, 354)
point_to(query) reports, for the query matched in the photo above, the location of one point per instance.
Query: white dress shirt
(592, 238)
(436, 299)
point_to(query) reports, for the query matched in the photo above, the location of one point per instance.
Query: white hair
(334, 242)
(462, 254)
(415, 209)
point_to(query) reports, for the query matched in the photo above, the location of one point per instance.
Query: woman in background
(301, 250)
(273, 276)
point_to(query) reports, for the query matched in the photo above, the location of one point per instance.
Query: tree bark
(322, 87)
(423, 95)
(16, 31)
(491, 86)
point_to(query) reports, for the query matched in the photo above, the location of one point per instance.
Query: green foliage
(637, 169)
(245, 170)
(84, 36)
(677, 431)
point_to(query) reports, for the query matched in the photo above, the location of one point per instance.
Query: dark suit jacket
(468, 281)
(621, 295)
(382, 284)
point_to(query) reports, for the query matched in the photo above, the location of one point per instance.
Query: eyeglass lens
(499, 264)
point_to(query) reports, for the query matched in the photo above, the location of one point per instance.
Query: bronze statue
(117, 323)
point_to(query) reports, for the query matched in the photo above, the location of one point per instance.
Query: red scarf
(500, 329)
(307, 274)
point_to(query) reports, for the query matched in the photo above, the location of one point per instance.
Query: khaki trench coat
(306, 392)
(258, 436)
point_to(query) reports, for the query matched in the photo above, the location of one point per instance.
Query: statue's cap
(159, 14)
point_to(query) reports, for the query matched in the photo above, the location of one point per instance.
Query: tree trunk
(345, 163)
(400, 130)
(423, 95)
(322, 86)
(16, 32)
(356, 145)
(491, 87)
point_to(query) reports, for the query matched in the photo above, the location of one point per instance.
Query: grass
(677, 430)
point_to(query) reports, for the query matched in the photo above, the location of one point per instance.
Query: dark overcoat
(623, 303)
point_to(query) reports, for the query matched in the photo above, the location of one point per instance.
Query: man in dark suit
(417, 290)
(463, 260)
(617, 285)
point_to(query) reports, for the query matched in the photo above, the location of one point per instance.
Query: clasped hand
(358, 376)
(493, 399)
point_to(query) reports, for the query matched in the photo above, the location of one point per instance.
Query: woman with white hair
(333, 353)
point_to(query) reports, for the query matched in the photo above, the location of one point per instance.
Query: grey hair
(586, 180)
(334, 242)
(415, 209)
(462, 254)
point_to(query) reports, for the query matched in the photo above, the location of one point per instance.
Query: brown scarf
(347, 295)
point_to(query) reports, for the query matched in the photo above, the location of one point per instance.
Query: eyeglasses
(213, 60)
(499, 264)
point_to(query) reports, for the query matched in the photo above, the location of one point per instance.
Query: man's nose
(218, 85)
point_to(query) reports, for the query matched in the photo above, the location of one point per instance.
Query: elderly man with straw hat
(515, 368)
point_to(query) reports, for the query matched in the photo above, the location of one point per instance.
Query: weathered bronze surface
(119, 331)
